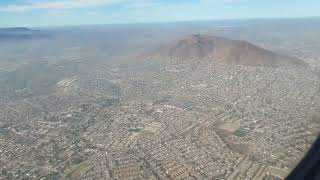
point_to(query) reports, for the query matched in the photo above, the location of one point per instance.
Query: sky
(31, 13)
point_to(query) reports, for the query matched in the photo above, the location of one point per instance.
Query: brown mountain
(222, 50)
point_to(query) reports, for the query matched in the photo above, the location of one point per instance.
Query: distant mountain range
(222, 50)
(21, 33)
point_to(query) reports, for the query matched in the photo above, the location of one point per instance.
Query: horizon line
(165, 22)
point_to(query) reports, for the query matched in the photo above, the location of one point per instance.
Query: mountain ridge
(21, 33)
(222, 50)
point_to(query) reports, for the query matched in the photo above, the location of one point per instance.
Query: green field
(241, 132)
(135, 129)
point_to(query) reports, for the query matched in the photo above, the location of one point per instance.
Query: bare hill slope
(222, 50)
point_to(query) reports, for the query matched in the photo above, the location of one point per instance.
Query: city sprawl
(73, 115)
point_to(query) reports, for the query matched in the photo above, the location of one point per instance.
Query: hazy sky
(78, 12)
